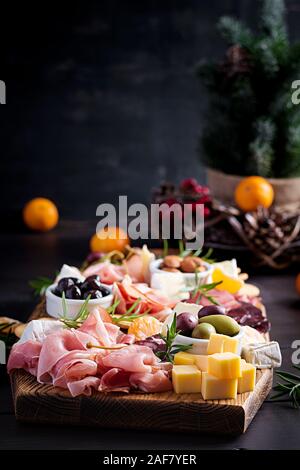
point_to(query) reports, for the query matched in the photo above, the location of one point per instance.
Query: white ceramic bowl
(54, 306)
(190, 279)
(199, 346)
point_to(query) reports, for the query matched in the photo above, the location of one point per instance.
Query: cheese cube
(186, 379)
(224, 365)
(218, 389)
(231, 345)
(184, 358)
(215, 344)
(201, 362)
(246, 383)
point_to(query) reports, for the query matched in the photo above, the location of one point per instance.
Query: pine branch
(261, 147)
(234, 32)
(273, 18)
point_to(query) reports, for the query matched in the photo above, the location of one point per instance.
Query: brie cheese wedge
(262, 355)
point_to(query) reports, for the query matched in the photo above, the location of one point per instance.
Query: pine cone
(267, 230)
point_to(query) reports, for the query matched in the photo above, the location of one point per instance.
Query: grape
(186, 322)
(211, 310)
(73, 292)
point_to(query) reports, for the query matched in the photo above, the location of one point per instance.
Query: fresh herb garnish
(131, 314)
(202, 291)
(171, 348)
(166, 248)
(289, 389)
(207, 257)
(81, 316)
(111, 310)
(40, 284)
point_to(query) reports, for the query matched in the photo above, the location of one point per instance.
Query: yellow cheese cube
(224, 365)
(215, 344)
(230, 345)
(186, 379)
(183, 358)
(218, 389)
(246, 383)
(201, 362)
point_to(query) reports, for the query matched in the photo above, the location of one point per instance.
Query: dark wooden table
(26, 256)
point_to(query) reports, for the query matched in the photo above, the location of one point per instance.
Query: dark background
(102, 97)
(102, 100)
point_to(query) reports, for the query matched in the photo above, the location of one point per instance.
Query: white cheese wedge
(263, 355)
(37, 330)
(187, 307)
(171, 284)
(251, 336)
(69, 271)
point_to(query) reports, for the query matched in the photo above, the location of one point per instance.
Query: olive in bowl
(75, 296)
(196, 339)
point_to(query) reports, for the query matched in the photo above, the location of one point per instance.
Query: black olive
(73, 292)
(94, 294)
(91, 283)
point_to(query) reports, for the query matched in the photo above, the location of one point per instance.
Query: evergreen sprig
(250, 99)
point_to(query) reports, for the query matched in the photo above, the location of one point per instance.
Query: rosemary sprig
(207, 257)
(290, 388)
(111, 310)
(165, 248)
(131, 314)
(40, 284)
(81, 316)
(203, 289)
(171, 348)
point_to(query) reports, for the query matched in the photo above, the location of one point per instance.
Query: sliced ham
(105, 333)
(62, 358)
(25, 356)
(157, 381)
(151, 300)
(115, 380)
(133, 358)
(84, 386)
(61, 346)
(108, 272)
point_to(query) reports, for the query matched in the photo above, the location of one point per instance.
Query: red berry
(189, 185)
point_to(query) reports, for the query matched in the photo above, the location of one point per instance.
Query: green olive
(203, 331)
(223, 324)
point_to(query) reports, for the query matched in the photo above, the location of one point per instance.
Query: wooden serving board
(166, 411)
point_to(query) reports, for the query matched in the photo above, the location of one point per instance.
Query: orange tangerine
(144, 327)
(40, 214)
(109, 239)
(252, 192)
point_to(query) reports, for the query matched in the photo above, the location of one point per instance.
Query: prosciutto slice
(150, 300)
(136, 266)
(74, 359)
(25, 356)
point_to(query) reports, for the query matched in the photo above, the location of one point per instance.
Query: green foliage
(252, 126)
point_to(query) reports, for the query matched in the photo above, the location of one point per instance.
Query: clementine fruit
(297, 283)
(40, 214)
(109, 239)
(252, 192)
(144, 326)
